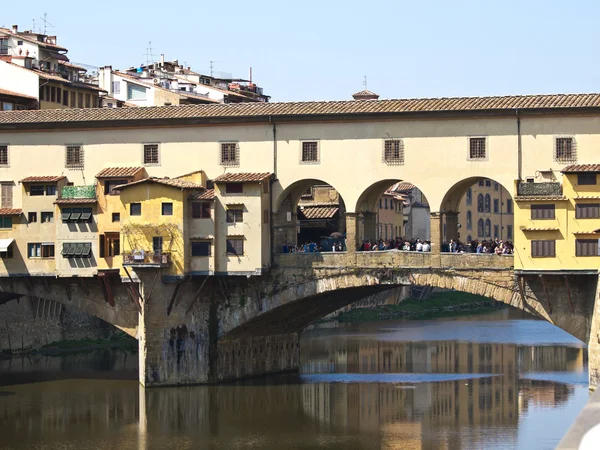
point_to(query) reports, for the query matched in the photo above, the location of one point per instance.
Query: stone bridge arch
(84, 294)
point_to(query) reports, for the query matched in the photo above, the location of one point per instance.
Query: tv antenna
(365, 83)
(46, 23)
(212, 63)
(149, 54)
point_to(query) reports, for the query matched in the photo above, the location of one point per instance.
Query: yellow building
(558, 225)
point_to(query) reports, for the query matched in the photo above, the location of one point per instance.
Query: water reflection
(506, 409)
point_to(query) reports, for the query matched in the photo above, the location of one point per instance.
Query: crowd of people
(495, 246)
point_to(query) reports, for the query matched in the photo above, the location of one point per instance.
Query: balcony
(539, 189)
(141, 259)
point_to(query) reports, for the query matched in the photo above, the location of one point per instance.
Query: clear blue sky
(321, 50)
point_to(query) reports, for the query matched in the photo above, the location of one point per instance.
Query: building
(321, 212)
(169, 83)
(558, 223)
(35, 73)
(486, 212)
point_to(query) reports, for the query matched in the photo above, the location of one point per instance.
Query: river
(499, 380)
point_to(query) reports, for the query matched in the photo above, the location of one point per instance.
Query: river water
(494, 381)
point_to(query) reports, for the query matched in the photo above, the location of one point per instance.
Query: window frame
(166, 205)
(309, 151)
(204, 212)
(234, 215)
(70, 163)
(40, 190)
(226, 151)
(594, 207)
(32, 217)
(116, 215)
(537, 253)
(53, 188)
(149, 146)
(543, 211)
(563, 159)
(228, 187)
(199, 241)
(471, 150)
(4, 159)
(582, 177)
(393, 152)
(137, 204)
(581, 244)
(229, 243)
(46, 214)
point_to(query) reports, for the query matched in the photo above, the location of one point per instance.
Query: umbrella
(336, 235)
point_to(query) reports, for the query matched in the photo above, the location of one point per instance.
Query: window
(380, 203)
(51, 189)
(496, 231)
(135, 209)
(151, 155)
(110, 245)
(116, 87)
(509, 233)
(310, 151)
(487, 203)
(6, 199)
(32, 217)
(543, 249)
(235, 246)
(58, 95)
(157, 244)
(480, 203)
(234, 188)
(480, 230)
(393, 151)
(235, 215)
(74, 157)
(201, 248)
(8, 253)
(469, 220)
(36, 189)
(543, 212)
(477, 148)
(76, 215)
(564, 149)
(509, 206)
(200, 210)
(80, 100)
(65, 99)
(587, 211)
(116, 217)
(167, 209)
(496, 206)
(586, 179)
(3, 155)
(109, 185)
(488, 228)
(40, 250)
(587, 247)
(488, 183)
(496, 186)
(77, 250)
(230, 154)
(46, 217)
(385, 202)
(135, 92)
(3, 46)
(480, 183)
(469, 197)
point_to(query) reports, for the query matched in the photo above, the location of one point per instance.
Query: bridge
(213, 328)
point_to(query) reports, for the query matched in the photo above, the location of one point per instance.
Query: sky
(322, 50)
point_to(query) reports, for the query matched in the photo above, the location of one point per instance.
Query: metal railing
(141, 258)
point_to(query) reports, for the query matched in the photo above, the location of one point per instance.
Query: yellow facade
(563, 229)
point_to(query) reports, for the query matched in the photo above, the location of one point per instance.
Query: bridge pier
(437, 231)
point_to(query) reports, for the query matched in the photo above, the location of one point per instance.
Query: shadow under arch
(294, 191)
(453, 197)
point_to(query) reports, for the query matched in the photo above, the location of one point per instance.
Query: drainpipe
(519, 147)
(272, 229)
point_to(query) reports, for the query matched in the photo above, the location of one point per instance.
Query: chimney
(15, 29)
(162, 60)
(365, 95)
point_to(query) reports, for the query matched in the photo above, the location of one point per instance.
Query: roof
(402, 186)
(540, 198)
(31, 37)
(266, 111)
(540, 229)
(10, 212)
(119, 172)
(75, 201)
(15, 94)
(173, 182)
(576, 168)
(244, 177)
(587, 232)
(42, 179)
(207, 194)
(72, 66)
(365, 94)
(319, 212)
(49, 76)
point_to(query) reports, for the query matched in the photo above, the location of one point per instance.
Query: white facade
(19, 80)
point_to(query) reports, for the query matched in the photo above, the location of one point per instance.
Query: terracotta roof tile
(10, 212)
(244, 111)
(75, 201)
(43, 179)
(539, 229)
(31, 37)
(119, 172)
(207, 194)
(244, 177)
(174, 182)
(16, 94)
(402, 186)
(587, 197)
(575, 168)
(319, 212)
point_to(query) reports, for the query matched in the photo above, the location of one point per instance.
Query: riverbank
(119, 341)
(442, 304)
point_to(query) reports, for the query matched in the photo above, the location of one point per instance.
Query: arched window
(488, 228)
(469, 221)
(480, 203)
(488, 202)
(469, 196)
(480, 228)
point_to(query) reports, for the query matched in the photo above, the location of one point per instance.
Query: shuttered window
(587, 247)
(586, 179)
(6, 196)
(543, 249)
(200, 210)
(542, 212)
(587, 211)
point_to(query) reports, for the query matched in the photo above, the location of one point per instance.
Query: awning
(58, 56)
(4, 244)
(76, 250)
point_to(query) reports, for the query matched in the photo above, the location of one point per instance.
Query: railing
(140, 258)
(543, 189)
(88, 191)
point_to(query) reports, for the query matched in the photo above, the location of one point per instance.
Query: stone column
(436, 232)
(284, 229)
(351, 232)
(370, 225)
(451, 225)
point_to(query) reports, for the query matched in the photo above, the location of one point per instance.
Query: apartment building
(35, 73)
